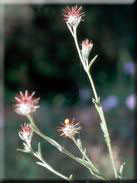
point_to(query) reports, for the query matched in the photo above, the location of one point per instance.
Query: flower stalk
(43, 163)
(92, 168)
(96, 100)
(84, 162)
(26, 104)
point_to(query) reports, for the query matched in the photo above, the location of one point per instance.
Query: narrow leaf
(92, 61)
(22, 150)
(121, 170)
(70, 177)
(39, 163)
(39, 148)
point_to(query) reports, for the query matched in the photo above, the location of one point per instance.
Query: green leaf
(39, 148)
(121, 170)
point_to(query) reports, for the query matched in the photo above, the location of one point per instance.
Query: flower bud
(86, 48)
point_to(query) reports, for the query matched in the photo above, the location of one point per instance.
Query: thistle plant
(27, 104)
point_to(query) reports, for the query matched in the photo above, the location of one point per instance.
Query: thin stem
(91, 62)
(32, 122)
(53, 142)
(84, 154)
(97, 174)
(70, 29)
(99, 108)
(78, 49)
(108, 142)
(92, 85)
(59, 147)
(112, 159)
(101, 114)
(81, 150)
(77, 46)
(47, 166)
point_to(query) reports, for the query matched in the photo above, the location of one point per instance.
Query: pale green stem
(32, 122)
(101, 114)
(91, 62)
(100, 111)
(81, 150)
(47, 166)
(98, 174)
(93, 86)
(77, 46)
(53, 142)
(58, 146)
(69, 27)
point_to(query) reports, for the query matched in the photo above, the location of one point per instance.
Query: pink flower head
(26, 104)
(87, 44)
(86, 48)
(73, 15)
(26, 133)
(69, 128)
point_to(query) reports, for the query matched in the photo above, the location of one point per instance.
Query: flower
(110, 103)
(86, 48)
(131, 101)
(26, 133)
(73, 15)
(69, 128)
(26, 104)
(130, 68)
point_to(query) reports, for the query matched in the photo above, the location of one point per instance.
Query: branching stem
(97, 102)
(60, 148)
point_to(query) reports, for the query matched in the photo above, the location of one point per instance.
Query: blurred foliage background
(40, 56)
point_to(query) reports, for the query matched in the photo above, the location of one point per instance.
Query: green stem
(92, 85)
(99, 108)
(53, 142)
(101, 114)
(81, 149)
(84, 154)
(58, 146)
(47, 166)
(93, 168)
(32, 122)
(77, 46)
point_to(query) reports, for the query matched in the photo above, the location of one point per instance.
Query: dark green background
(40, 56)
